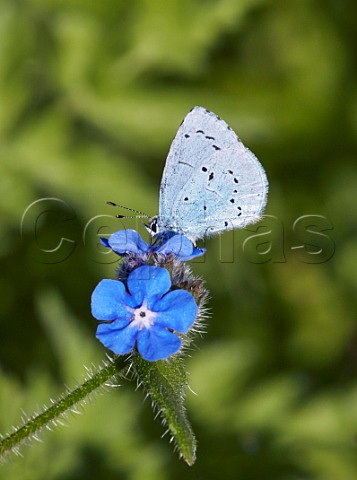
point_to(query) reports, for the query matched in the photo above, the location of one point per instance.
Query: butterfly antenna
(141, 214)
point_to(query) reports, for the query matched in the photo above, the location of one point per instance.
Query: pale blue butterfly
(211, 182)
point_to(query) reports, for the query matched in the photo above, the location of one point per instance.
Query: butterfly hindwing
(211, 182)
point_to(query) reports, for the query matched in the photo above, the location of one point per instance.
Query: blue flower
(169, 243)
(144, 313)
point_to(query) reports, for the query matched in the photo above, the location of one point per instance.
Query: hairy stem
(62, 405)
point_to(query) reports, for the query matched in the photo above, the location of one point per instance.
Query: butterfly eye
(152, 226)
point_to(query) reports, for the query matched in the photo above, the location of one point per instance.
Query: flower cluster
(126, 242)
(146, 308)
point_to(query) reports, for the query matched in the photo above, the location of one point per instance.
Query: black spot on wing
(200, 131)
(215, 147)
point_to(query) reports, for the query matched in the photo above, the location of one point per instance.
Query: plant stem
(62, 405)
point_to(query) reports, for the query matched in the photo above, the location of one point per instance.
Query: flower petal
(104, 241)
(118, 336)
(109, 301)
(149, 283)
(125, 241)
(176, 244)
(176, 310)
(197, 252)
(156, 343)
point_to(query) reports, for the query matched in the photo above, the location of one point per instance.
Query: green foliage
(165, 382)
(91, 96)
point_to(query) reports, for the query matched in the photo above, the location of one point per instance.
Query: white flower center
(142, 316)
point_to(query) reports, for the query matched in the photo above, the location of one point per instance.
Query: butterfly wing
(211, 182)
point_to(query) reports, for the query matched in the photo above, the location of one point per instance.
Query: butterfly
(211, 182)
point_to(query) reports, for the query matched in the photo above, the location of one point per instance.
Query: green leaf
(165, 381)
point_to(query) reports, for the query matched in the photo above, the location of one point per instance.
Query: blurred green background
(91, 95)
